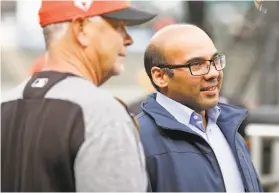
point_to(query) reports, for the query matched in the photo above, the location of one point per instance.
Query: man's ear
(77, 26)
(159, 77)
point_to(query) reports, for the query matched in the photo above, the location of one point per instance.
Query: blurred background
(247, 32)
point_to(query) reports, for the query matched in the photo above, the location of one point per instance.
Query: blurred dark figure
(269, 39)
(7, 7)
(196, 13)
(265, 38)
(270, 8)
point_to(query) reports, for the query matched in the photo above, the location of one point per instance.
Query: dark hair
(153, 57)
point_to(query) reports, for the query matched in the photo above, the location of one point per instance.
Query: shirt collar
(183, 113)
(214, 113)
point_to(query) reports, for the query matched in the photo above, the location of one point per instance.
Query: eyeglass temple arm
(173, 66)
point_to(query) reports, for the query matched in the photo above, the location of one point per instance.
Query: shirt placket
(196, 121)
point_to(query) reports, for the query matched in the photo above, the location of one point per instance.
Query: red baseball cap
(61, 11)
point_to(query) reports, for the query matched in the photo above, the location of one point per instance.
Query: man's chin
(118, 69)
(209, 103)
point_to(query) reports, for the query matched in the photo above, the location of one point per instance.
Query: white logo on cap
(83, 4)
(39, 82)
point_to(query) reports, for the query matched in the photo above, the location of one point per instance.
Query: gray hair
(54, 32)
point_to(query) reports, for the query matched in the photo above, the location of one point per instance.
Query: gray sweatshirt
(75, 137)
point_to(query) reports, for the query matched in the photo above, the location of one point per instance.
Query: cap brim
(130, 15)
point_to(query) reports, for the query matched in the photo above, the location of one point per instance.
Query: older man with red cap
(60, 131)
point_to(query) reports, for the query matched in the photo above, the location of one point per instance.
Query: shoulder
(97, 104)
(13, 94)
(150, 135)
(145, 122)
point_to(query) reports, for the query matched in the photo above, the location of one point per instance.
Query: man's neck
(199, 111)
(204, 118)
(62, 61)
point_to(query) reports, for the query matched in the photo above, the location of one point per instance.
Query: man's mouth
(210, 88)
(122, 55)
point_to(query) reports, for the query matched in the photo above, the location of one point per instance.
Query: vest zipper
(237, 158)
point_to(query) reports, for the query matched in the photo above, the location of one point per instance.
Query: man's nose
(213, 73)
(128, 40)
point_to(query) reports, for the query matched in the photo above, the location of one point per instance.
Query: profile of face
(193, 86)
(106, 41)
(113, 45)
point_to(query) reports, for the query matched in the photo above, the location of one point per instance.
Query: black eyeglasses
(200, 67)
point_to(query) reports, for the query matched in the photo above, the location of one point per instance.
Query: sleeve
(111, 159)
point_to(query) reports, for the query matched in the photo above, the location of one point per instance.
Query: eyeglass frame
(188, 65)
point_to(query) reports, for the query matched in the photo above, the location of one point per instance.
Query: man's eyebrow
(201, 58)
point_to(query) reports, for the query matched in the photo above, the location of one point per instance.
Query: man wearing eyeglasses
(190, 140)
